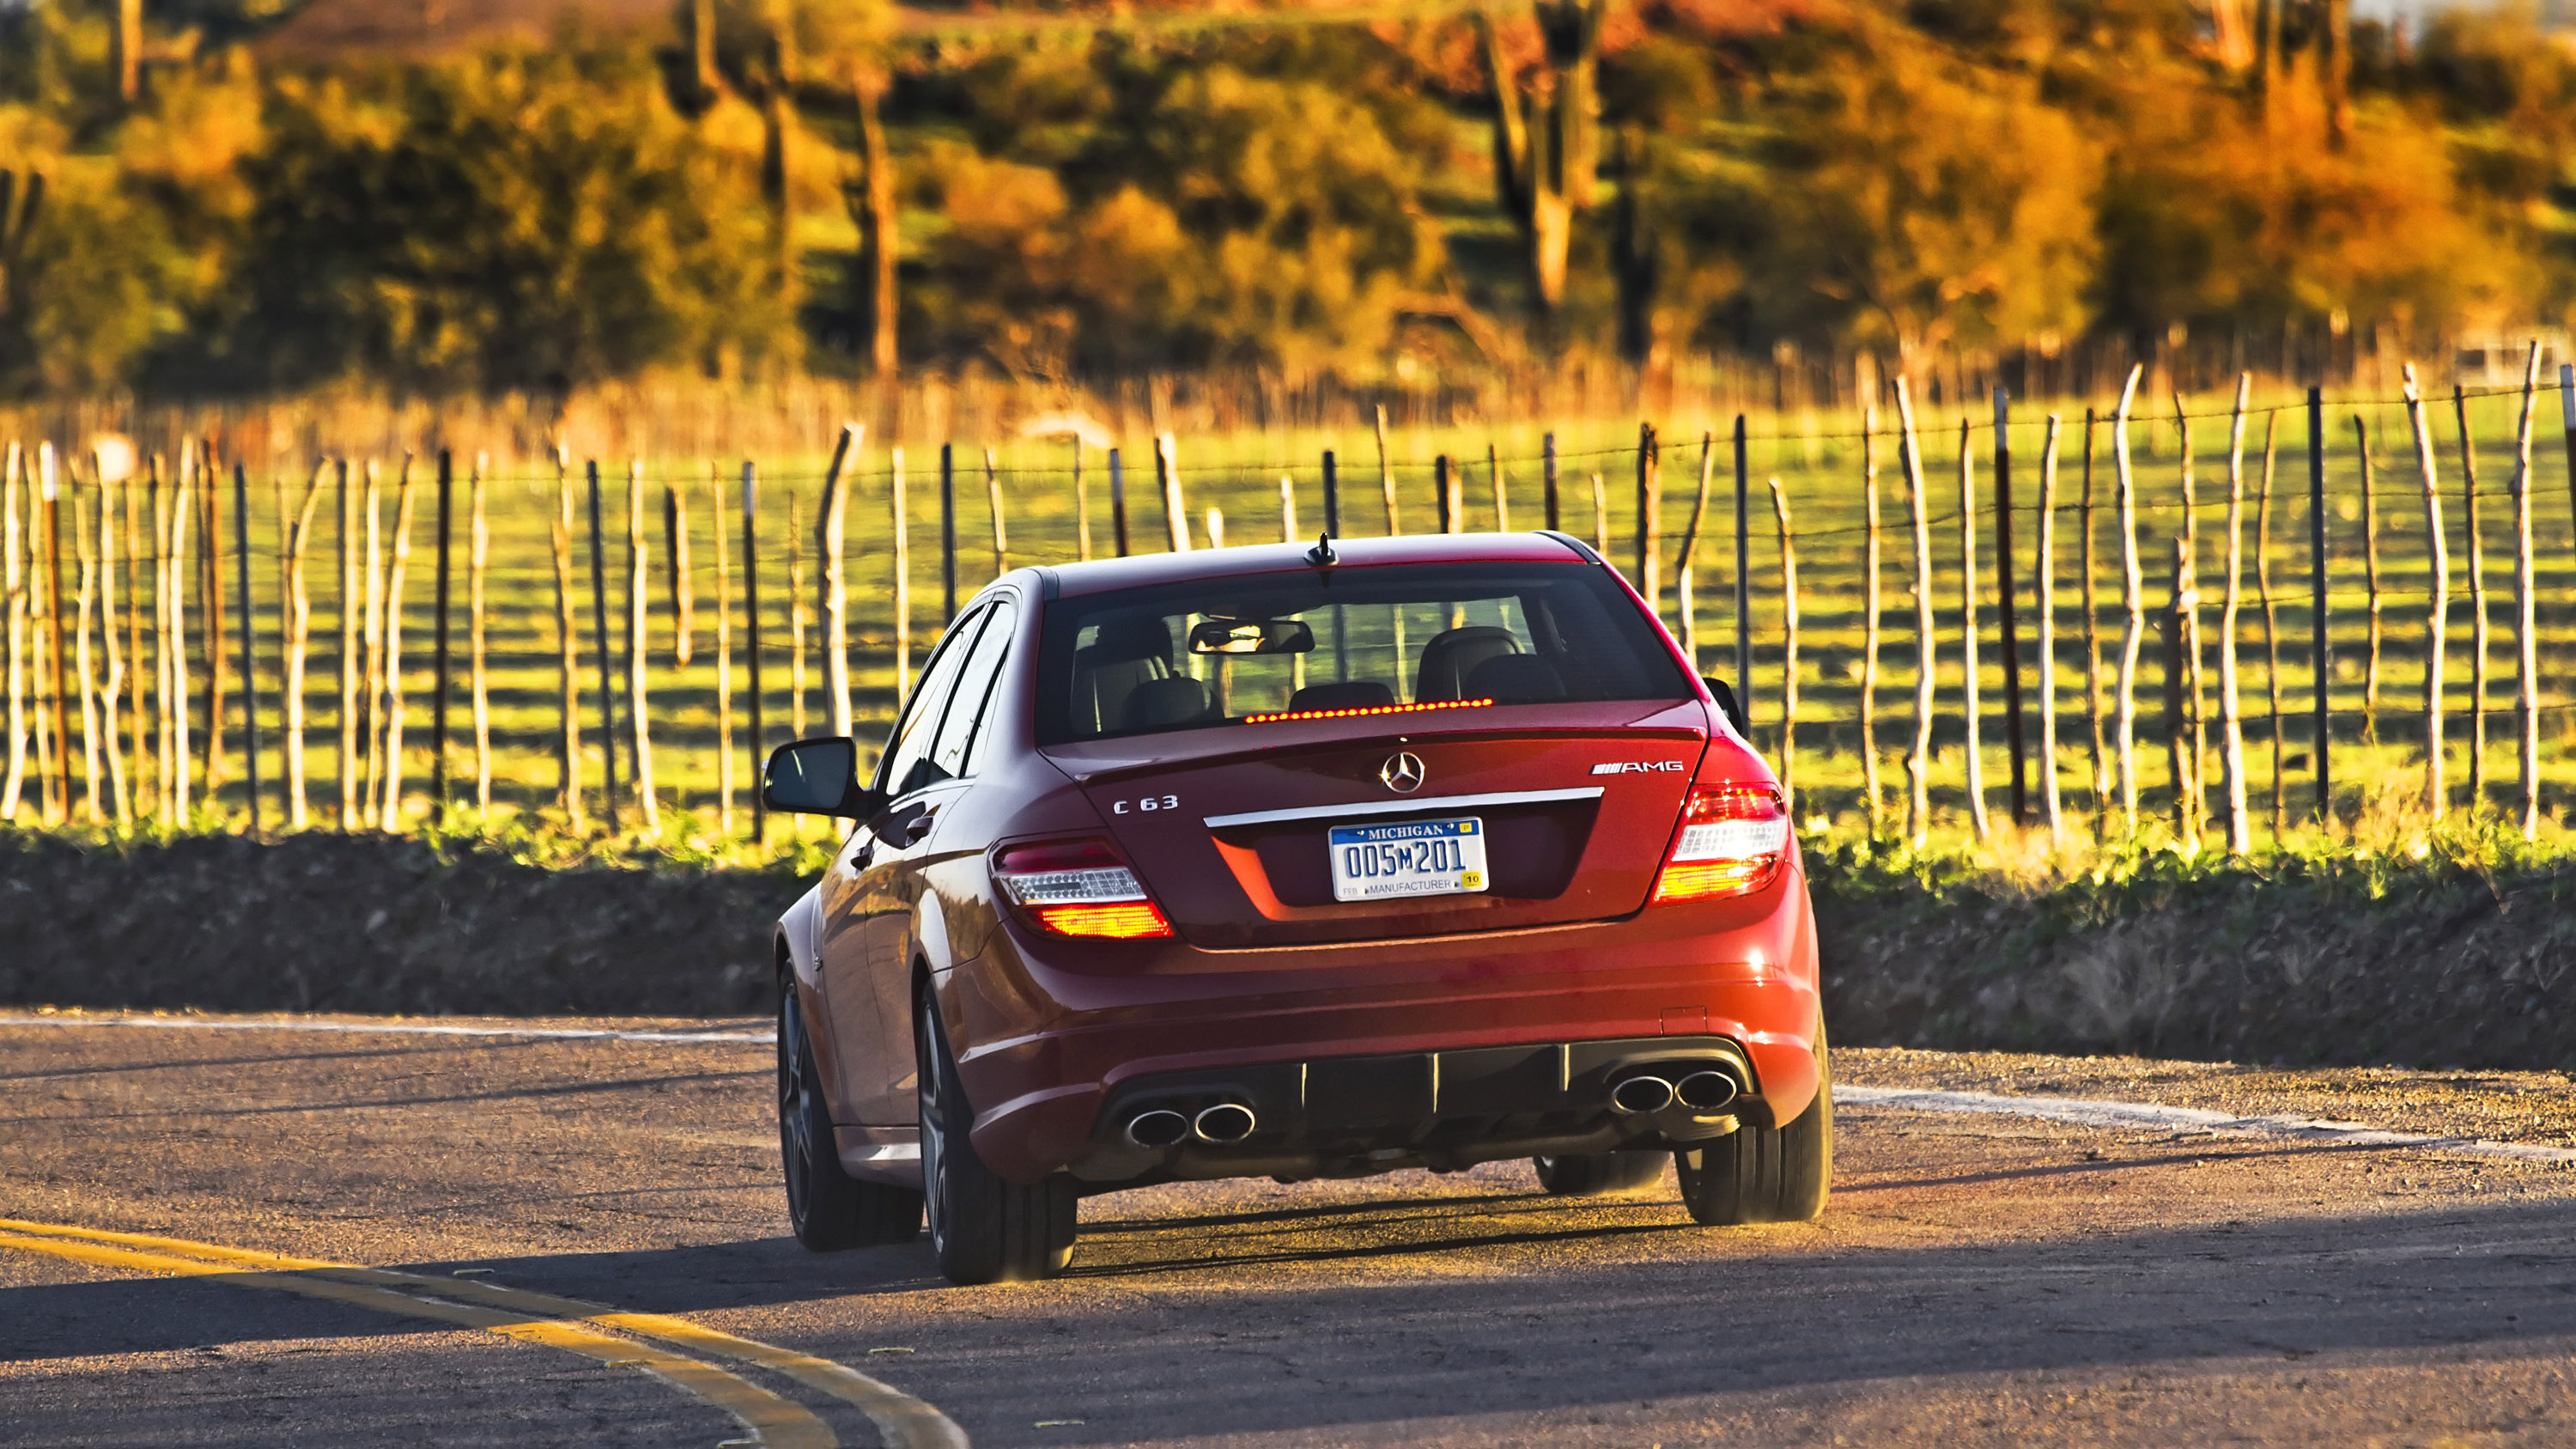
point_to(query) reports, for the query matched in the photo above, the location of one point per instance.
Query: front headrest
(1515, 679)
(1448, 657)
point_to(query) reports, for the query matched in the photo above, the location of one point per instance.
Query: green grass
(1814, 453)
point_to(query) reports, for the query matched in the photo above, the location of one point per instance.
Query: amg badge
(1637, 767)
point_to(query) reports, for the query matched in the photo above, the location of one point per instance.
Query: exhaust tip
(1706, 1091)
(1642, 1094)
(1224, 1122)
(1160, 1127)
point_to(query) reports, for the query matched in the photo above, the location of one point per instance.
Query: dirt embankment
(2304, 964)
(374, 924)
(2347, 964)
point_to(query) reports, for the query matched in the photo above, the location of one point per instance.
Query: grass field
(1816, 455)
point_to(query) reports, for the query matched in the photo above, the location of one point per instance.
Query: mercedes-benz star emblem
(1402, 772)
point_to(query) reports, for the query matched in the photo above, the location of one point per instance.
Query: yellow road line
(774, 1421)
(904, 1421)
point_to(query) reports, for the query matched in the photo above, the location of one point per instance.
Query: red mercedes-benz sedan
(1295, 862)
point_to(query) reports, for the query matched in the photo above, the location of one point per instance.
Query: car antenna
(1322, 555)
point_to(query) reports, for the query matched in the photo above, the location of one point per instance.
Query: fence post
(993, 505)
(2044, 561)
(49, 478)
(901, 545)
(1167, 476)
(1081, 506)
(1386, 470)
(567, 647)
(2231, 723)
(639, 595)
(751, 645)
(210, 619)
(344, 672)
(2370, 574)
(1600, 518)
(1789, 652)
(1502, 505)
(1118, 501)
(478, 547)
(2567, 414)
(2526, 657)
(438, 646)
(249, 678)
(2101, 776)
(1918, 760)
(1685, 570)
(1443, 491)
(1332, 496)
(2477, 602)
(2005, 596)
(1547, 463)
(947, 533)
(676, 569)
(1650, 513)
(1970, 710)
(2320, 653)
(1743, 577)
(724, 652)
(2438, 617)
(396, 704)
(1869, 617)
(2271, 621)
(599, 636)
(15, 573)
(2133, 600)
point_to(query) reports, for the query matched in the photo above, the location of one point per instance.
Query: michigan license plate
(1417, 858)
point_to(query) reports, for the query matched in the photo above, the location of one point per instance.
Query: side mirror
(815, 777)
(1726, 702)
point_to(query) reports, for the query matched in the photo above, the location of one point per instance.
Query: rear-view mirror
(1252, 636)
(813, 777)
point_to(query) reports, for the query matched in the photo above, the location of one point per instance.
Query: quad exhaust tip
(1161, 1127)
(1225, 1122)
(1642, 1094)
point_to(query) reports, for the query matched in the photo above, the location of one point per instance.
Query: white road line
(369, 1028)
(2086, 1112)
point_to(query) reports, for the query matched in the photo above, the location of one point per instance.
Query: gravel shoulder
(2538, 1108)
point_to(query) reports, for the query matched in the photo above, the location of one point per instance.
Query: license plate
(1417, 858)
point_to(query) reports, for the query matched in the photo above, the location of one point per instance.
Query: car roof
(1145, 570)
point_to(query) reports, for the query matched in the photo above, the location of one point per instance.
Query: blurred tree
(533, 221)
(1916, 202)
(1546, 129)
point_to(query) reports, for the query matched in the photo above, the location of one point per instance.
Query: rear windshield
(1235, 651)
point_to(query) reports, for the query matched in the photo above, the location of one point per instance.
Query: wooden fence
(148, 658)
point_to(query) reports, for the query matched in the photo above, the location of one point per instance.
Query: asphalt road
(1977, 1278)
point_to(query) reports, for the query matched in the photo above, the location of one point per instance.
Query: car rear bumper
(1055, 1059)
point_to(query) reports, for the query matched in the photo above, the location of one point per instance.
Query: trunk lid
(1228, 827)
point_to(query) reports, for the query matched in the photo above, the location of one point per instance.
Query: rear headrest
(1132, 636)
(1448, 658)
(1354, 694)
(1157, 703)
(1515, 679)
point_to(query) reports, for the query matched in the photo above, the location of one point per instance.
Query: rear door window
(972, 699)
(908, 766)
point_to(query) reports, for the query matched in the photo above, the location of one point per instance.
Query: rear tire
(983, 1229)
(828, 1209)
(1589, 1174)
(1767, 1175)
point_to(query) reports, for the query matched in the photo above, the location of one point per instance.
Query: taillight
(1730, 844)
(1077, 888)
